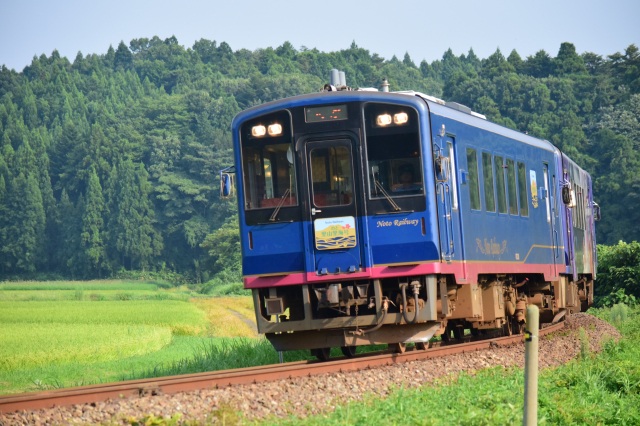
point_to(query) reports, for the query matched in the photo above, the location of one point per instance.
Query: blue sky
(425, 29)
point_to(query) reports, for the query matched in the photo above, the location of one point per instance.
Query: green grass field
(62, 334)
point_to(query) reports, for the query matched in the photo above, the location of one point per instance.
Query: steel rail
(224, 378)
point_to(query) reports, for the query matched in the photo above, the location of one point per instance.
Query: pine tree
(92, 236)
(24, 225)
(3, 223)
(131, 232)
(123, 58)
(68, 245)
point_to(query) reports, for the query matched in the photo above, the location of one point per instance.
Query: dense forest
(108, 163)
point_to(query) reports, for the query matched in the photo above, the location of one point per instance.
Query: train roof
(450, 110)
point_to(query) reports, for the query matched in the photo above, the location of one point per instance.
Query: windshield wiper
(279, 206)
(387, 196)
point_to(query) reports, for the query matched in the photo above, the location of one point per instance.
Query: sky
(425, 29)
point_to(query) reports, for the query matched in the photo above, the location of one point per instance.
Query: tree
(516, 61)
(617, 187)
(123, 58)
(68, 153)
(627, 67)
(4, 212)
(539, 65)
(496, 65)
(24, 225)
(568, 61)
(131, 233)
(407, 61)
(92, 237)
(68, 245)
(223, 248)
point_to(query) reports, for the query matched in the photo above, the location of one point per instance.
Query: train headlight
(275, 129)
(258, 131)
(383, 120)
(400, 118)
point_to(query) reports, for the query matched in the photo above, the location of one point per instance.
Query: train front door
(333, 195)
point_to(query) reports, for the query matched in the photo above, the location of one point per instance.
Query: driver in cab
(406, 180)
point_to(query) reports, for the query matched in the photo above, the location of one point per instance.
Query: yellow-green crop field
(25, 345)
(64, 334)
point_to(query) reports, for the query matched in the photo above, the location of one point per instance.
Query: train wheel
(507, 330)
(518, 328)
(348, 351)
(421, 346)
(398, 348)
(458, 333)
(323, 354)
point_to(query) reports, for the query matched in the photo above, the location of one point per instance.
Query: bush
(226, 283)
(619, 297)
(618, 279)
(217, 287)
(619, 313)
(163, 279)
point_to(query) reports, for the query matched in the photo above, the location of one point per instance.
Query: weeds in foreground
(619, 313)
(602, 388)
(223, 354)
(585, 350)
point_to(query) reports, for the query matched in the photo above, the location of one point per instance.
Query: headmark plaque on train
(335, 233)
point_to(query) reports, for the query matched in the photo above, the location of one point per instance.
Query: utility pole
(531, 366)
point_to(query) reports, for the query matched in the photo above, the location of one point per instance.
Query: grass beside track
(597, 389)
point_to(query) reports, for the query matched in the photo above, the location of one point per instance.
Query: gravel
(313, 395)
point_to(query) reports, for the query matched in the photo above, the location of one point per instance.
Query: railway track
(219, 379)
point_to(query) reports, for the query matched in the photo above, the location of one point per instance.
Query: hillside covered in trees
(109, 162)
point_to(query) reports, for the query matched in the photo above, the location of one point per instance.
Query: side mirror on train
(227, 184)
(596, 212)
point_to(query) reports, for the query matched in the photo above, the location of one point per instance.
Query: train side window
(498, 164)
(580, 201)
(511, 186)
(554, 199)
(452, 164)
(522, 190)
(474, 187)
(545, 174)
(487, 174)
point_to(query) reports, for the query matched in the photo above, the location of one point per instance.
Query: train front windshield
(267, 163)
(331, 171)
(393, 151)
(269, 176)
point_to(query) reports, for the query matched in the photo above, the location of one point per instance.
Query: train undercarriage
(397, 311)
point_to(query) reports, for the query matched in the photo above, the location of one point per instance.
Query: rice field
(76, 285)
(229, 316)
(22, 343)
(62, 334)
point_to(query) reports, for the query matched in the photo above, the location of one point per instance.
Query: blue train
(377, 217)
